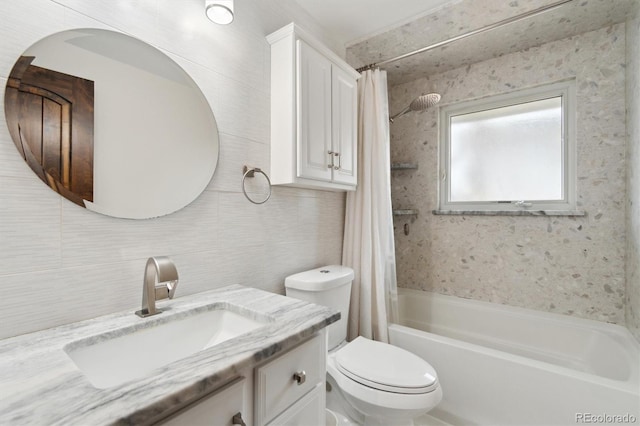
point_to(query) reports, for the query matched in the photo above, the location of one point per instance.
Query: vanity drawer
(221, 408)
(281, 382)
(309, 410)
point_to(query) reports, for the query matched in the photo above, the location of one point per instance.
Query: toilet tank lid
(319, 279)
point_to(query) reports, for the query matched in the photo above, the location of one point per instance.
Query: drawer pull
(300, 377)
(237, 420)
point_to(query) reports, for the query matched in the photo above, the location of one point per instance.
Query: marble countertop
(40, 384)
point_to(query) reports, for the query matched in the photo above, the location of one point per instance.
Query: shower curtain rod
(468, 34)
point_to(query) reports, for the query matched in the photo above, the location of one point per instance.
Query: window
(510, 153)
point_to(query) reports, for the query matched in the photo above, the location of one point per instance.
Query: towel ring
(251, 172)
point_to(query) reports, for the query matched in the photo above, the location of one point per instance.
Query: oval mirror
(111, 123)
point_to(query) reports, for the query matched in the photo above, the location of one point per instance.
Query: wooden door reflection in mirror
(50, 118)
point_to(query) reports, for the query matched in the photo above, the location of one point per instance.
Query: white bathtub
(500, 365)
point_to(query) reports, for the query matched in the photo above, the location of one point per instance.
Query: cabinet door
(344, 126)
(314, 113)
(309, 410)
(276, 386)
(218, 409)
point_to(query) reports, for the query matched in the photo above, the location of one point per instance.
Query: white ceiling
(351, 21)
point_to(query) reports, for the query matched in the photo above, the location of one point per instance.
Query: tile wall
(573, 266)
(60, 263)
(633, 173)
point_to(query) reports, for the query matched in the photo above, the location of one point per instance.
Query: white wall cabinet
(313, 114)
(286, 390)
(344, 125)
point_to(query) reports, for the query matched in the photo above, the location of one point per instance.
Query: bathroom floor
(428, 420)
(336, 419)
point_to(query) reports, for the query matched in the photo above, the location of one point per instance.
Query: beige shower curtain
(368, 235)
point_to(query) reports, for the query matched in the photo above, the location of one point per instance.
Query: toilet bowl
(386, 384)
(369, 382)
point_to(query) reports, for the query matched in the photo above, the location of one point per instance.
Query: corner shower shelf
(405, 212)
(404, 166)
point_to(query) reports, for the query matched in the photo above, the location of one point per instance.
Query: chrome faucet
(162, 270)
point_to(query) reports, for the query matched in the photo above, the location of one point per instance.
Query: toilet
(368, 382)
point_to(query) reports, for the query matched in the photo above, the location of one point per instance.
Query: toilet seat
(385, 367)
(371, 398)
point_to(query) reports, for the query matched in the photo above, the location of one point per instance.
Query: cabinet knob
(237, 420)
(300, 377)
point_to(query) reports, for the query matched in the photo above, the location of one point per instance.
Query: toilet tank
(328, 286)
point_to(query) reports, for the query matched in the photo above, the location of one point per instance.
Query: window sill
(571, 213)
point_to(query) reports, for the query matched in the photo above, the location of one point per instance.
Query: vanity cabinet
(291, 387)
(313, 113)
(288, 389)
(307, 411)
(227, 406)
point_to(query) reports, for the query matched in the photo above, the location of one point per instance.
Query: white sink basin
(114, 358)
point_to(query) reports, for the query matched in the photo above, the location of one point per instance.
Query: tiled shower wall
(60, 263)
(633, 173)
(566, 265)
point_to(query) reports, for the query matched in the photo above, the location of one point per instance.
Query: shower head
(419, 104)
(425, 101)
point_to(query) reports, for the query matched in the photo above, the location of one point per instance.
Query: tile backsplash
(60, 263)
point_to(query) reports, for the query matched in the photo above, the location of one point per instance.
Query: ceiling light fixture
(219, 11)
